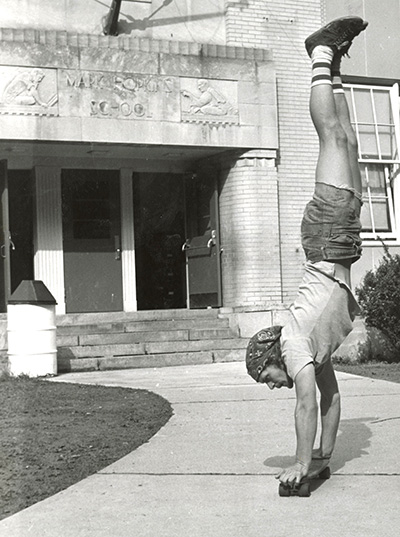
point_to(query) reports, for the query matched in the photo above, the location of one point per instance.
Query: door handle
(213, 239)
(3, 248)
(117, 246)
(185, 245)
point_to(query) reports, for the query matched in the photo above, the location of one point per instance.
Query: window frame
(390, 167)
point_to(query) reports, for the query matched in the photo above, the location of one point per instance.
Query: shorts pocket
(346, 240)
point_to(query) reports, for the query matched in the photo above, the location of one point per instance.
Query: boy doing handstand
(299, 353)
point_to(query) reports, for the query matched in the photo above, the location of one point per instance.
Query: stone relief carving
(25, 91)
(207, 104)
(41, 91)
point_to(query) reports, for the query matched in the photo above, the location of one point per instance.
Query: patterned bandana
(261, 348)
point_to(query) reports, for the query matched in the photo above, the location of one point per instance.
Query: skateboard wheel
(325, 474)
(284, 490)
(304, 490)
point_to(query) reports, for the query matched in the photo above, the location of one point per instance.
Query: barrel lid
(32, 292)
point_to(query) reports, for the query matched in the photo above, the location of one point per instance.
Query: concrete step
(148, 348)
(151, 315)
(137, 337)
(145, 339)
(67, 364)
(140, 326)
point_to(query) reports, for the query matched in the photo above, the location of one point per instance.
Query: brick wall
(250, 233)
(282, 27)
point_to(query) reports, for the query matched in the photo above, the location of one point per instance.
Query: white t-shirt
(321, 317)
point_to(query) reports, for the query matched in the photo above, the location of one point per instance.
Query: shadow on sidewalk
(352, 442)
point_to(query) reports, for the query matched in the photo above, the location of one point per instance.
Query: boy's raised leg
(333, 166)
(344, 118)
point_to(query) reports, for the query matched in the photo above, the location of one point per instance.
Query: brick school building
(167, 167)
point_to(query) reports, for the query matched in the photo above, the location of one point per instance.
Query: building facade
(168, 166)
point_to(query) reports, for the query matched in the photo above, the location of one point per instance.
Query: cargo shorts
(330, 229)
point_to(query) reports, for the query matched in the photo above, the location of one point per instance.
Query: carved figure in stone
(23, 89)
(209, 101)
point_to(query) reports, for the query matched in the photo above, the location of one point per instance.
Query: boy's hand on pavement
(293, 474)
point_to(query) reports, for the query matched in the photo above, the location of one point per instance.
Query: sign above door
(139, 92)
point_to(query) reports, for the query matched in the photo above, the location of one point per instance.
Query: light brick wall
(250, 233)
(282, 27)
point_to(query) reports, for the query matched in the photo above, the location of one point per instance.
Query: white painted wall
(178, 20)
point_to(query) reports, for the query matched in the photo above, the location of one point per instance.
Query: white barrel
(31, 331)
(32, 348)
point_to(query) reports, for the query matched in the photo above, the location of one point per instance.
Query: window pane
(382, 107)
(375, 199)
(368, 142)
(365, 216)
(375, 178)
(363, 105)
(388, 142)
(381, 216)
(380, 213)
(92, 229)
(373, 114)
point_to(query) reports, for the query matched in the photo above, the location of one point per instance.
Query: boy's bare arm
(330, 409)
(306, 417)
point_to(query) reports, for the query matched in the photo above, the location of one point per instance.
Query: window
(374, 114)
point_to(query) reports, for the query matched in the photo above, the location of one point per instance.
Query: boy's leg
(336, 163)
(344, 118)
(333, 165)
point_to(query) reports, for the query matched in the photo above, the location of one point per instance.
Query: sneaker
(338, 34)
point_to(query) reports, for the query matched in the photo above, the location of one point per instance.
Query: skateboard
(302, 489)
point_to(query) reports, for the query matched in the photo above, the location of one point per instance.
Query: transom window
(374, 112)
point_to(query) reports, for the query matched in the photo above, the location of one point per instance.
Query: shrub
(379, 298)
(377, 348)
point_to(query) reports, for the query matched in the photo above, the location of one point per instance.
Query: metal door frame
(5, 239)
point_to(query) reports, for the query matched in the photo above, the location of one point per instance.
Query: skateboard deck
(303, 489)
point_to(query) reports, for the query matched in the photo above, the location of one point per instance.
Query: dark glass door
(92, 240)
(159, 234)
(20, 198)
(202, 246)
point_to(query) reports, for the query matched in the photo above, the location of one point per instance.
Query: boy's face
(275, 377)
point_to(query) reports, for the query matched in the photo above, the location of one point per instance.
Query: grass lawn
(55, 434)
(379, 371)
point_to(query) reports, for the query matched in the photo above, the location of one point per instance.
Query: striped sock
(321, 59)
(337, 83)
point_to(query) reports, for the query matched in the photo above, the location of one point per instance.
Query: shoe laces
(344, 49)
(343, 39)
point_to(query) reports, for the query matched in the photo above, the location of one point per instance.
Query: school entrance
(176, 241)
(175, 248)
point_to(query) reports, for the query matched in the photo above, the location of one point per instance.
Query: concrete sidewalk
(209, 472)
